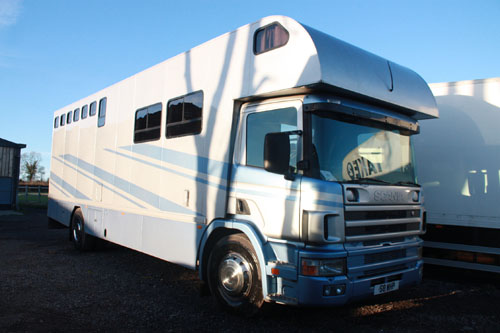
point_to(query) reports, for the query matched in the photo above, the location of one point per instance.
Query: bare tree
(41, 172)
(31, 166)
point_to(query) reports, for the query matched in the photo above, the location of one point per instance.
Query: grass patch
(32, 200)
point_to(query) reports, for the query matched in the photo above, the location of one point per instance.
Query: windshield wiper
(365, 180)
(407, 183)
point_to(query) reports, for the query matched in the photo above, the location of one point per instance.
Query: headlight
(323, 267)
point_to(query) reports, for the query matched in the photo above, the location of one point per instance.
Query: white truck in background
(458, 163)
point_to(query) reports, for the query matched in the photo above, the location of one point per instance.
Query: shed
(10, 160)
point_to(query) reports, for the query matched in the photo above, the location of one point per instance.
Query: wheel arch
(222, 228)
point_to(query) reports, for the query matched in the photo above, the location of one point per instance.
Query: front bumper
(311, 289)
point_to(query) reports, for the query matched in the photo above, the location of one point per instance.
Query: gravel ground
(46, 285)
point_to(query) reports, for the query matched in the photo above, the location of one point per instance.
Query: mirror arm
(303, 165)
(290, 174)
(297, 132)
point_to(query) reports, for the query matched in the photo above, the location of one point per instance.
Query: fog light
(340, 289)
(334, 290)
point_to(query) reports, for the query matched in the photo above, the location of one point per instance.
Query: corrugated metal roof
(7, 143)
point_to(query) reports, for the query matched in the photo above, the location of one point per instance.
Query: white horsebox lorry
(458, 159)
(276, 160)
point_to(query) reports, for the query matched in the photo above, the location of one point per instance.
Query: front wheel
(234, 275)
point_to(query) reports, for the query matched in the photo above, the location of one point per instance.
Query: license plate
(385, 287)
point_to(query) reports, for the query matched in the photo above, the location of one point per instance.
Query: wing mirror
(277, 153)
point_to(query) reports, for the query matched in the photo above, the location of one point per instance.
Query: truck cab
(329, 183)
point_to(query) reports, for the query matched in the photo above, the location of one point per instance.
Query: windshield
(356, 150)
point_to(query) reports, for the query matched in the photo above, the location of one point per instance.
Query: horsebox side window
(93, 109)
(269, 38)
(147, 125)
(102, 112)
(184, 115)
(85, 111)
(76, 115)
(56, 122)
(63, 119)
(69, 116)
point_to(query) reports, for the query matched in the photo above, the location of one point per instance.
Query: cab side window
(261, 123)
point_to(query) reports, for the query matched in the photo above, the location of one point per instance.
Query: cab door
(268, 200)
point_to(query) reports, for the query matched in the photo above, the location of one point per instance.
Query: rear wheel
(81, 240)
(234, 275)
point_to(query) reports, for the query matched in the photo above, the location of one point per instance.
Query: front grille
(384, 256)
(368, 223)
(381, 239)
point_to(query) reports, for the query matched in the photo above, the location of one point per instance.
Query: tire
(81, 240)
(234, 275)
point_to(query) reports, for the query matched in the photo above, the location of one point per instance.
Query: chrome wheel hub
(77, 229)
(235, 275)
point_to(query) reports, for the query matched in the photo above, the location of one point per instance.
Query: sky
(54, 52)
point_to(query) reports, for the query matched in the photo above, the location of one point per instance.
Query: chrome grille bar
(382, 236)
(362, 223)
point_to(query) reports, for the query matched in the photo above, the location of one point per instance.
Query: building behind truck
(275, 159)
(459, 167)
(10, 169)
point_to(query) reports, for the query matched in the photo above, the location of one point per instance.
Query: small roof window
(269, 38)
